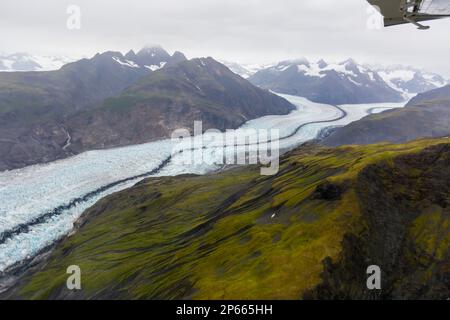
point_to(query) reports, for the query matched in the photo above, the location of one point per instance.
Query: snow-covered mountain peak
(409, 80)
(349, 62)
(246, 70)
(332, 82)
(406, 81)
(21, 61)
(148, 58)
(301, 61)
(152, 51)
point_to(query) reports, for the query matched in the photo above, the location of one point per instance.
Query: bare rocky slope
(172, 98)
(114, 100)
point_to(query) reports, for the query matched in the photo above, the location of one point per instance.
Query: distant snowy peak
(246, 70)
(148, 58)
(349, 69)
(411, 81)
(238, 69)
(344, 82)
(349, 80)
(27, 62)
(407, 81)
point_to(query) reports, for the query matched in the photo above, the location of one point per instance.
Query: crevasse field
(40, 203)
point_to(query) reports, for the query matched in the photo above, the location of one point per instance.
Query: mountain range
(21, 61)
(153, 58)
(172, 98)
(406, 80)
(51, 115)
(409, 80)
(341, 83)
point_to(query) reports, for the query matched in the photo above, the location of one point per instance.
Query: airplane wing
(411, 11)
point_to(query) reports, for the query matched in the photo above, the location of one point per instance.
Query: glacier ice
(33, 191)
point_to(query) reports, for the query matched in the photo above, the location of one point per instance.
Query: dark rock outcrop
(404, 204)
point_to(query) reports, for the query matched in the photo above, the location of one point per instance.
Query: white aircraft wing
(411, 11)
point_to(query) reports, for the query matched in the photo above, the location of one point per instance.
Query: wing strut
(409, 9)
(397, 12)
(414, 22)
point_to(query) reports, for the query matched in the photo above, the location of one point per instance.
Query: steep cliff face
(405, 207)
(308, 232)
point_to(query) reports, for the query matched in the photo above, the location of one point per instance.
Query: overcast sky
(235, 30)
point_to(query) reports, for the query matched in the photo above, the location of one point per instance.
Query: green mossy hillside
(239, 235)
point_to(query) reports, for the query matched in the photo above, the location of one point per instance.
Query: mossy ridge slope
(405, 203)
(234, 235)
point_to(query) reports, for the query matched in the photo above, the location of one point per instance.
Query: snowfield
(40, 203)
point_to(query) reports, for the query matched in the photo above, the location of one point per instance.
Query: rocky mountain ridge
(110, 100)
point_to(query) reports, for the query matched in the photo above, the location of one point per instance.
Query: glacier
(40, 203)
